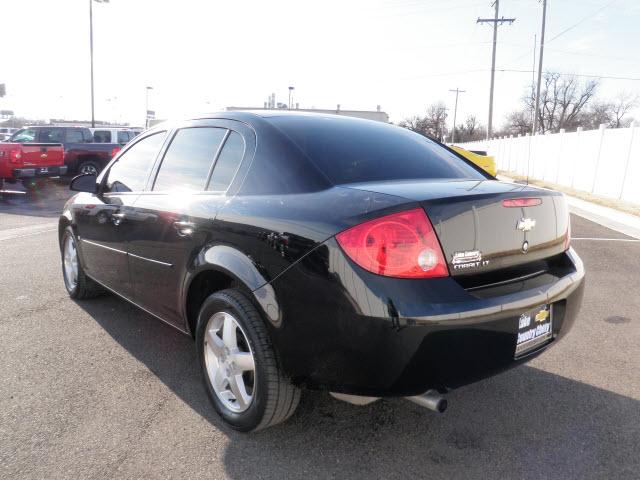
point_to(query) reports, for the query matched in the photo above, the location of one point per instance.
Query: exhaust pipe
(430, 399)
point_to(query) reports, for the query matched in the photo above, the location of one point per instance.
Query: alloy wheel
(89, 169)
(230, 362)
(70, 260)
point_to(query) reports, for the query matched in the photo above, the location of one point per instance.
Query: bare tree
(415, 124)
(562, 100)
(613, 114)
(518, 122)
(598, 113)
(620, 107)
(433, 124)
(470, 130)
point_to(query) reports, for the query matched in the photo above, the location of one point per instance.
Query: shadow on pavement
(525, 423)
(46, 200)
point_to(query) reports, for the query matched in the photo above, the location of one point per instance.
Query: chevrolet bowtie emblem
(542, 315)
(526, 224)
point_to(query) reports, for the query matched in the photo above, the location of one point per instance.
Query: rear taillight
(521, 202)
(15, 156)
(400, 245)
(115, 151)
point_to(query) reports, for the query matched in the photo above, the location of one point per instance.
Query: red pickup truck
(81, 153)
(28, 161)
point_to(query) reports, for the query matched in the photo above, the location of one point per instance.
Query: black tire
(275, 398)
(85, 287)
(89, 166)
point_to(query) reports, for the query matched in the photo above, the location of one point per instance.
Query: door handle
(117, 218)
(184, 229)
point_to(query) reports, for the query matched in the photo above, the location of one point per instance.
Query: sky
(205, 55)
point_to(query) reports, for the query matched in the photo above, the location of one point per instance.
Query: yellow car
(485, 162)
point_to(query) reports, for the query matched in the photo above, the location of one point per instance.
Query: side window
(86, 135)
(24, 135)
(129, 173)
(227, 163)
(102, 136)
(51, 135)
(189, 158)
(123, 137)
(74, 135)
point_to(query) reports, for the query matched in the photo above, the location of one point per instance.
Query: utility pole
(455, 113)
(537, 99)
(496, 22)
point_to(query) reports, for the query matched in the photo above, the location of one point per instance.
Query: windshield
(353, 151)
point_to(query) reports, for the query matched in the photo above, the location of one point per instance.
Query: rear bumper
(37, 172)
(363, 334)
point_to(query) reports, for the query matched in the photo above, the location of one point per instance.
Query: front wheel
(78, 285)
(240, 371)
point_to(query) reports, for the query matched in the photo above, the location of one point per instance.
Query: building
(377, 115)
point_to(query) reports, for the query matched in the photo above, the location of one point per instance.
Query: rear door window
(188, 160)
(227, 163)
(51, 135)
(74, 135)
(102, 136)
(123, 137)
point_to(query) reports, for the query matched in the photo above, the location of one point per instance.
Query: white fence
(605, 161)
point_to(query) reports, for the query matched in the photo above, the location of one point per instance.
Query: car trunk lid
(477, 232)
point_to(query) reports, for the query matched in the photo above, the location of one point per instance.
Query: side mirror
(84, 183)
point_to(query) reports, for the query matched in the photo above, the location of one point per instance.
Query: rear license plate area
(535, 328)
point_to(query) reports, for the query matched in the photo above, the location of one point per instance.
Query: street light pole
(93, 118)
(146, 112)
(455, 113)
(290, 91)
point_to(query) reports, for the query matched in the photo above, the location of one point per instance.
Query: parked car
(324, 252)
(27, 162)
(120, 136)
(481, 159)
(81, 153)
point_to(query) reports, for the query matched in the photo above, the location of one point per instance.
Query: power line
(496, 22)
(582, 21)
(586, 75)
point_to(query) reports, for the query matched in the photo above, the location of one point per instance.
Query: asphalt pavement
(99, 389)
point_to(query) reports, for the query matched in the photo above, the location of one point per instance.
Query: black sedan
(323, 252)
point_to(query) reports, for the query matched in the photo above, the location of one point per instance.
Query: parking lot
(99, 389)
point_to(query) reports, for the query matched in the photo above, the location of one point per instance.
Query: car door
(177, 215)
(102, 221)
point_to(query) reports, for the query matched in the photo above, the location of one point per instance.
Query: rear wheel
(78, 285)
(89, 167)
(240, 371)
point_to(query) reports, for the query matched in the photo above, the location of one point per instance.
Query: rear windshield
(352, 151)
